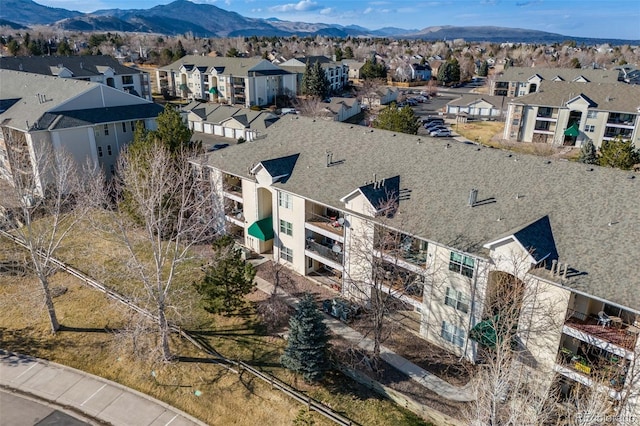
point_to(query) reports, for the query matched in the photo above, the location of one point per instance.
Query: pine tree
(306, 351)
(397, 120)
(618, 153)
(228, 280)
(314, 81)
(483, 70)
(348, 52)
(588, 153)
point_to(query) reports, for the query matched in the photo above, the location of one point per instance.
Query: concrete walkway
(420, 375)
(94, 399)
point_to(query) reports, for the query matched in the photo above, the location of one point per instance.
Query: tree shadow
(88, 329)
(23, 341)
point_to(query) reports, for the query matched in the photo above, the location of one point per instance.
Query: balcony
(402, 247)
(547, 114)
(615, 132)
(329, 226)
(593, 366)
(625, 121)
(232, 188)
(617, 337)
(327, 252)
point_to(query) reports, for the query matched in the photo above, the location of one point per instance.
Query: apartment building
(86, 119)
(319, 195)
(241, 81)
(569, 114)
(227, 121)
(337, 72)
(101, 69)
(520, 81)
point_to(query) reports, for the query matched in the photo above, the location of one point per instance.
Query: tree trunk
(48, 301)
(164, 333)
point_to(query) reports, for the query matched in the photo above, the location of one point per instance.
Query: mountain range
(205, 20)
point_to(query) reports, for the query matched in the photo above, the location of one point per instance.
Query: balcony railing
(616, 332)
(233, 189)
(325, 251)
(334, 224)
(610, 372)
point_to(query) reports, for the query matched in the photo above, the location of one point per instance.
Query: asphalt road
(17, 410)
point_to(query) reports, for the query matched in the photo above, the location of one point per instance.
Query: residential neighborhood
(370, 229)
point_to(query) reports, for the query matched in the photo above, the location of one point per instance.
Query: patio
(622, 335)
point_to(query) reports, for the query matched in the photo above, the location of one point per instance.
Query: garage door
(218, 130)
(229, 133)
(208, 128)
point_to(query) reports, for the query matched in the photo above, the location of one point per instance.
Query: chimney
(473, 197)
(554, 265)
(564, 272)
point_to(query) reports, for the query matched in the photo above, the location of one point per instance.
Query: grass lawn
(90, 341)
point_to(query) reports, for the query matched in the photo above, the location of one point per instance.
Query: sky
(618, 19)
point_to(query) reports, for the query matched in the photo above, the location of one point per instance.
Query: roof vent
(473, 197)
(589, 169)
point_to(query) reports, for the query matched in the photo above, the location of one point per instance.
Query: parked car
(440, 133)
(434, 125)
(431, 118)
(218, 146)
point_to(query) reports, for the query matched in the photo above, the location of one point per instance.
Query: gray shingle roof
(87, 117)
(436, 181)
(567, 74)
(619, 97)
(80, 66)
(468, 99)
(228, 66)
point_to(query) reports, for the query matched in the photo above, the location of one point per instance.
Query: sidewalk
(423, 377)
(90, 395)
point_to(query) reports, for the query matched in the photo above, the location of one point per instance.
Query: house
(341, 109)
(520, 81)
(88, 120)
(380, 96)
(98, 69)
(420, 72)
(354, 68)
(321, 195)
(478, 106)
(235, 81)
(227, 121)
(337, 72)
(569, 114)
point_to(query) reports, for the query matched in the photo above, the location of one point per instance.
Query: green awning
(484, 332)
(572, 131)
(262, 229)
(213, 90)
(183, 87)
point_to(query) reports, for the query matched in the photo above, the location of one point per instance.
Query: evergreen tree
(63, 48)
(618, 153)
(372, 69)
(228, 280)
(314, 81)
(588, 153)
(348, 52)
(339, 54)
(483, 70)
(306, 351)
(397, 119)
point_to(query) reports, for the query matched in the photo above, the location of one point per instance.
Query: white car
(440, 133)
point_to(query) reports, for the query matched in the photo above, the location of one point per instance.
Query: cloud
(327, 11)
(367, 11)
(301, 6)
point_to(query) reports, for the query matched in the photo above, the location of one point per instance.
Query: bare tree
(367, 91)
(312, 106)
(169, 206)
(42, 204)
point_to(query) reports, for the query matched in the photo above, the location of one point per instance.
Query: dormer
(375, 198)
(280, 170)
(61, 71)
(580, 79)
(581, 102)
(557, 78)
(524, 247)
(106, 71)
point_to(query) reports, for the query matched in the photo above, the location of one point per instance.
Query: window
(456, 299)
(133, 126)
(309, 263)
(106, 129)
(124, 127)
(286, 227)
(592, 114)
(285, 200)
(461, 264)
(109, 149)
(99, 151)
(452, 334)
(286, 253)
(112, 169)
(589, 128)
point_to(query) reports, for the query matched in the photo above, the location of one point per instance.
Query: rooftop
(566, 74)
(592, 211)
